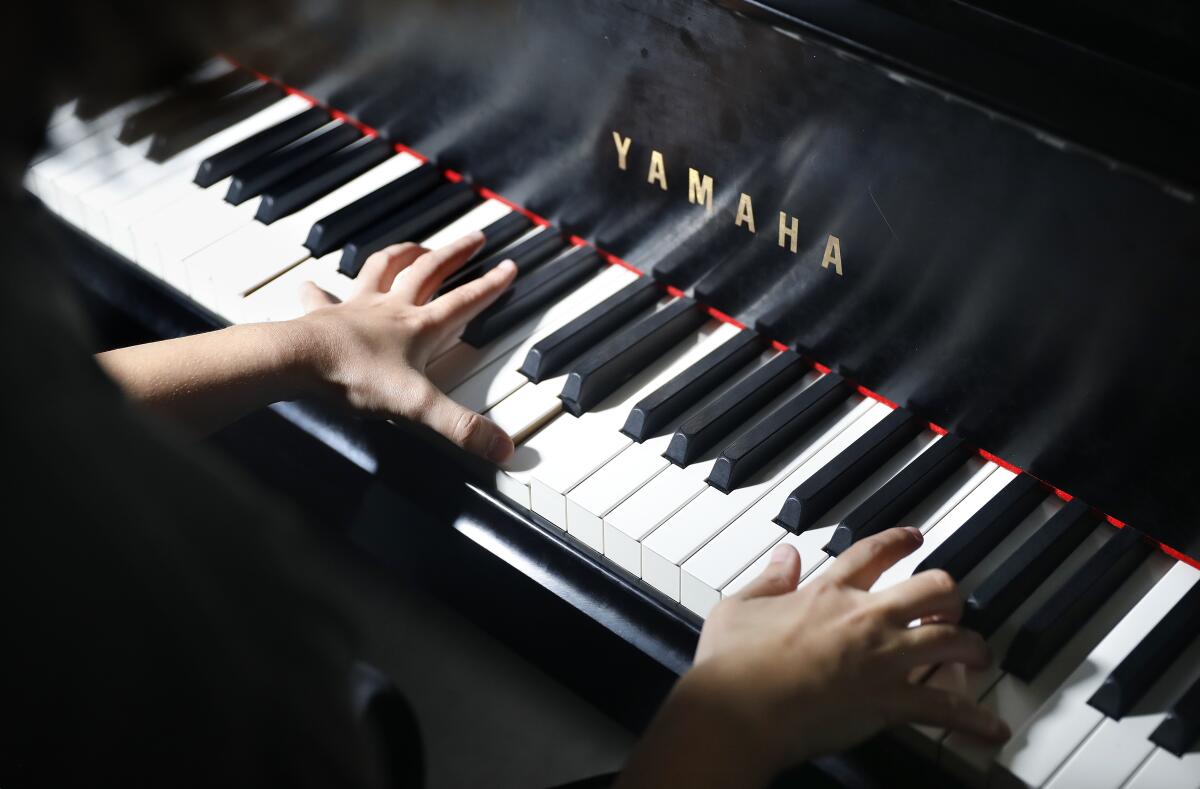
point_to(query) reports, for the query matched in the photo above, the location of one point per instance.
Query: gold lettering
(833, 254)
(788, 231)
(623, 144)
(658, 171)
(700, 189)
(745, 213)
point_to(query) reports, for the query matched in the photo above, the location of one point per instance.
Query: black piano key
(502, 232)
(320, 178)
(528, 255)
(205, 122)
(420, 219)
(331, 232)
(530, 293)
(187, 99)
(250, 181)
(95, 102)
(984, 530)
(884, 508)
(833, 482)
(672, 399)
(1180, 729)
(703, 429)
(1041, 636)
(612, 363)
(1133, 676)
(550, 355)
(222, 165)
(1029, 566)
(753, 449)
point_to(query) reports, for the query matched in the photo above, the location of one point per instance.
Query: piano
(789, 272)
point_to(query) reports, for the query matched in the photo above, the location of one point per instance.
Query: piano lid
(989, 225)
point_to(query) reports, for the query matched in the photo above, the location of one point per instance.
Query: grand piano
(796, 271)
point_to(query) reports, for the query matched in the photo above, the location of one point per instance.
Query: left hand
(370, 351)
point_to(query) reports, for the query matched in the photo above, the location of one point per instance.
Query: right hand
(822, 668)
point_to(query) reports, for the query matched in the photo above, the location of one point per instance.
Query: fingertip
(783, 552)
(915, 533)
(507, 267)
(501, 447)
(474, 238)
(996, 729)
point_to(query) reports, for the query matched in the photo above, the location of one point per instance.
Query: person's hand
(821, 668)
(372, 349)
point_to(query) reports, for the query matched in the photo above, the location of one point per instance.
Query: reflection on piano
(666, 447)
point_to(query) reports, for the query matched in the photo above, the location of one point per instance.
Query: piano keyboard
(678, 447)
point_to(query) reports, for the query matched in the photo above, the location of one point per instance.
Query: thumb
(780, 576)
(313, 298)
(462, 426)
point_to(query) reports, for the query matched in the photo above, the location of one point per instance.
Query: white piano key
(1066, 719)
(573, 448)
(676, 540)
(754, 532)
(461, 370)
(139, 192)
(113, 160)
(1016, 701)
(279, 299)
(125, 172)
(660, 498)
(228, 270)
(1164, 770)
(78, 144)
(590, 501)
(808, 572)
(944, 510)
(529, 408)
(1115, 749)
(191, 225)
(668, 492)
(477, 218)
(595, 497)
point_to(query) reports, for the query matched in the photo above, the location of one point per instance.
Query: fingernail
(475, 237)
(506, 266)
(915, 532)
(780, 553)
(500, 449)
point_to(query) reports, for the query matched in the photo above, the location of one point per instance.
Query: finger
(314, 298)
(474, 433)
(431, 269)
(930, 596)
(947, 710)
(780, 576)
(866, 560)
(451, 311)
(931, 644)
(382, 268)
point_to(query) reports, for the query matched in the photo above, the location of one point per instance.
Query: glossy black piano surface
(1015, 215)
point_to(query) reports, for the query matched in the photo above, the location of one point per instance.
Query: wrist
(304, 356)
(732, 731)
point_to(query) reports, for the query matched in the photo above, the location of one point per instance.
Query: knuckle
(399, 249)
(467, 426)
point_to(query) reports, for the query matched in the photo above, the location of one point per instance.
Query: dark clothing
(165, 623)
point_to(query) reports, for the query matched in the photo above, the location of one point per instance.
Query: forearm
(696, 740)
(206, 381)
